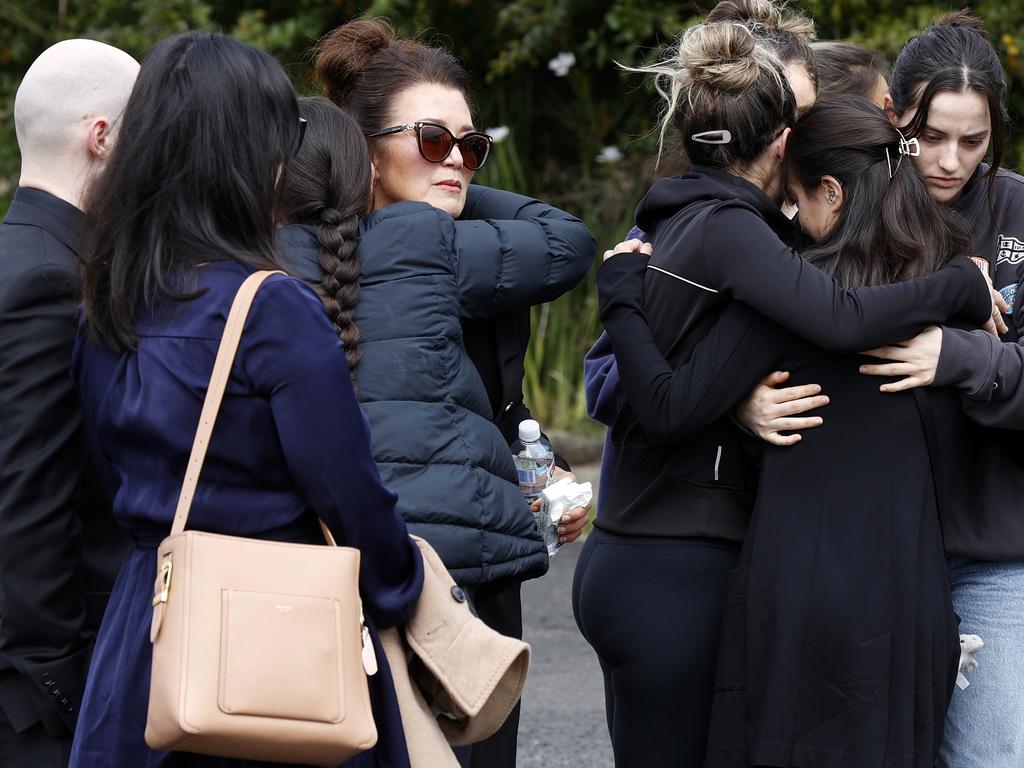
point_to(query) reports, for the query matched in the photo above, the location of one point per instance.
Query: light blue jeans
(985, 724)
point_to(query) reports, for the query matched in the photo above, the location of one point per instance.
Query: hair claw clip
(911, 147)
(905, 147)
(712, 137)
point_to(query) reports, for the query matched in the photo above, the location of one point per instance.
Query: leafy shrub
(579, 136)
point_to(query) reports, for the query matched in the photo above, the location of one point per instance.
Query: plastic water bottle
(535, 461)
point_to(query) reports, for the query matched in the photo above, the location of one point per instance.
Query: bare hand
(915, 360)
(573, 520)
(768, 411)
(630, 246)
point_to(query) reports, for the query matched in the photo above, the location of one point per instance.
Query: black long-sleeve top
(718, 238)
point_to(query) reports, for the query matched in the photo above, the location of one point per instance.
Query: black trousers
(500, 606)
(32, 748)
(651, 608)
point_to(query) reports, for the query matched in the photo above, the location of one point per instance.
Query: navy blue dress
(290, 444)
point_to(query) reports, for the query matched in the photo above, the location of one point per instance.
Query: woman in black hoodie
(651, 578)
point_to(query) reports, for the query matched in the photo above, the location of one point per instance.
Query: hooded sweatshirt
(985, 521)
(718, 238)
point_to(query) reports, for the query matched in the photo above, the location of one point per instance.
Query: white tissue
(563, 495)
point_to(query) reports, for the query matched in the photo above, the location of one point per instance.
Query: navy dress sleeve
(748, 262)
(512, 251)
(293, 357)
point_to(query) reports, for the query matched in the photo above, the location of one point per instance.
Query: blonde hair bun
(764, 13)
(722, 56)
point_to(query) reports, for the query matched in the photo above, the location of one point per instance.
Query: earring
(831, 195)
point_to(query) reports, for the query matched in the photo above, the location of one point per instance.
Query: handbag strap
(215, 394)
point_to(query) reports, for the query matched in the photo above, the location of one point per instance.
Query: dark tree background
(580, 137)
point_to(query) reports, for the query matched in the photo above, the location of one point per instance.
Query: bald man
(59, 547)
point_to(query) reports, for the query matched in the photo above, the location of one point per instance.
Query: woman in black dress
(839, 644)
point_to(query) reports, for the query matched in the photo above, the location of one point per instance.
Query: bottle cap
(529, 431)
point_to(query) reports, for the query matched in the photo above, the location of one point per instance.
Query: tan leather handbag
(259, 647)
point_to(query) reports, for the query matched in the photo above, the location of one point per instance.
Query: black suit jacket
(59, 547)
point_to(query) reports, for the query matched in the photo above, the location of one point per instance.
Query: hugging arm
(748, 261)
(512, 251)
(989, 374)
(668, 402)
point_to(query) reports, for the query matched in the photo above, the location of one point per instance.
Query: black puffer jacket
(435, 444)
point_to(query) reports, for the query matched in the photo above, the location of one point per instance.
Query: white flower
(562, 63)
(609, 155)
(498, 133)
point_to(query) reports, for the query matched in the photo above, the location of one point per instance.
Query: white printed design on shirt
(1011, 250)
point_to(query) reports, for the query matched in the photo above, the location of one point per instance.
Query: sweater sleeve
(512, 251)
(989, 374)
(670, 403)
(601, 380)
(292, 355)
(747, 261)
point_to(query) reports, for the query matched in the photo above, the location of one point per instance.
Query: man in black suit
(59, 547)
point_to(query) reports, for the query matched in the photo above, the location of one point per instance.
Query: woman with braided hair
(327, 190)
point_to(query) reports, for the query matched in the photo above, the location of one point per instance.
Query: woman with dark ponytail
(949, 92)
(327, 190)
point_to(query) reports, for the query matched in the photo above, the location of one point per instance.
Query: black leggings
(651, 607)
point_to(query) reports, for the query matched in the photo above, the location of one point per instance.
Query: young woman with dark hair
(651, 577)
(328, 187)
(949, 90)
(449, 273)
(853, 69)
(184, 212)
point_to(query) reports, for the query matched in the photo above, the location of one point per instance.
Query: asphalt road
(563, 724)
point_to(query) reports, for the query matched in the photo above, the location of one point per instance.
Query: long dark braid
(328, 185)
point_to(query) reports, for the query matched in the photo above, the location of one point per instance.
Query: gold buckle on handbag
(165, 584)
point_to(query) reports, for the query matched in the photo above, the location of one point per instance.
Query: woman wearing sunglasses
(435, 252)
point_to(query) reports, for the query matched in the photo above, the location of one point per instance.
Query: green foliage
(558, 125)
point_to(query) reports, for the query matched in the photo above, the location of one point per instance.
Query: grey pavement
(563, 723)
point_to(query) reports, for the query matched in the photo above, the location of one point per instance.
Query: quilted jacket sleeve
(513, 251)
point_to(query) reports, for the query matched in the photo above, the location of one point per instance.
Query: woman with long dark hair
(185, 211)
(654, 571)
(949, 91)
(449, 271)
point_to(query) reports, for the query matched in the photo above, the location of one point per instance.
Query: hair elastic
(911, 147)
(712, 137)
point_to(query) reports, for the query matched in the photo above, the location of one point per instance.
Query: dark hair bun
(343, 54)
(963, 19)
